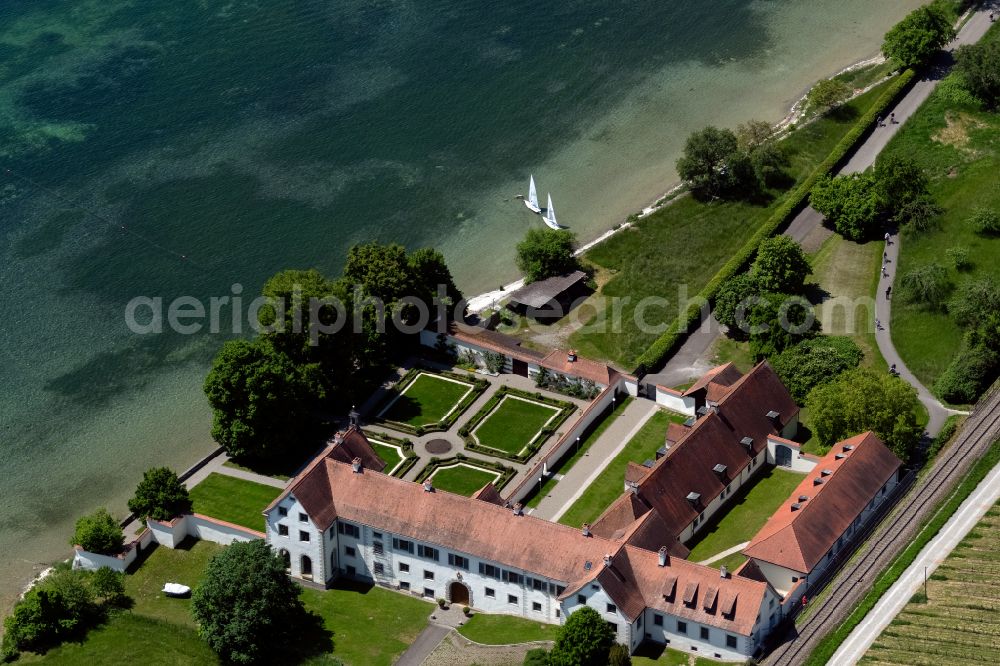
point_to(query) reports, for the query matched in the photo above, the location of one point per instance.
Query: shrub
(979, 67)
(537, 657)
(813, 362)
(109, 585)
(160, 495)
(545, 253)
(985, 221)
(619, 656)
(98, 533)
(585, 640)
(975, 302)
(442, 603)
(969, 375)
(927, 285)
(58, 609)
(959, 257)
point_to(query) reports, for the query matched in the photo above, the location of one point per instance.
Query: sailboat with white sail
(532, 199)
(550, 216)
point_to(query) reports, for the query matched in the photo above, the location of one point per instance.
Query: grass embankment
(567, 462)
(960, 594)
(687, 242)
(745, 514)
(506, 630)
(958, 145)
(610, 484)
(369, 625)
(828, 646)
(233, 500)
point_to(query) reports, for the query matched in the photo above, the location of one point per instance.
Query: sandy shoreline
(795, 114)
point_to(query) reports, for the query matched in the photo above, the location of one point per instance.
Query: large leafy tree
(544, 254)
(263, 403)
(852, 203)
(58, 609)
(979, 67)
(915, 39)
(810, 363)
(98, 532)
(863, 399)
(247, 608)
(431, 275)
(827, 94)
(900, 180)
(705, 164)
(781, 265)
(160, 495)
(975, 302)
(778, 321)
(735, 296)
(585, 640)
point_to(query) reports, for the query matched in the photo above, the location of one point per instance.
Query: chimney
(356, 465)
(428, 486)
(662, 554)
(607, 560)
(723, 572)
(571, 356)
(518, 509)
(338, 438)
(632, 487)
(586, 529)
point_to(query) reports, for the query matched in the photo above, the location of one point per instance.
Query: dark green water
(232, 140)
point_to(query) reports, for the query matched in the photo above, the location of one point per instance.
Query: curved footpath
(807, 229)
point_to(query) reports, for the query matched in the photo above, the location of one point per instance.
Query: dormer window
(826, 472)
(719, 469)
(773, 415)
(747, 442)
(693, 497)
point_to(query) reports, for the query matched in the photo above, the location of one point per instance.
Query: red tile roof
(489, 493)
(636, 581)
(798, 540)
(716, 381)
(558, 360)
(713, 440)
(352, 444)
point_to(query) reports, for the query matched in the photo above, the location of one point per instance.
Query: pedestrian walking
(887, 241)
(888, 290)
(878, 325)
(884, 273)
(892, 118)
(885, 257)
(881, 123)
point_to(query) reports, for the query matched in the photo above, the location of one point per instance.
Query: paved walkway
(934, 553)
(593, 462)
(426, 641)
(726, 553)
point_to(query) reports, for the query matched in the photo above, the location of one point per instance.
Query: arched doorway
(783, 456)
(458, 593)
(287, 559)
(306, 567)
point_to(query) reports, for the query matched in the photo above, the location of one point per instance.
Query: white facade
(784, 580)
(675, 401)
(794, 458)
(751, 470)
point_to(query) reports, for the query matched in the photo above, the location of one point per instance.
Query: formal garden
(396, 453)
(514, 424)
(463, 475)
(425, 401)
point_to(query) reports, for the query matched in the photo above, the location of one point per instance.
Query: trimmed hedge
(506, 473)
(829, 645)
(677, 332)
(478, 384)
(409, 457)
(566, 408)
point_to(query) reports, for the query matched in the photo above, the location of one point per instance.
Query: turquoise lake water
(232, 140)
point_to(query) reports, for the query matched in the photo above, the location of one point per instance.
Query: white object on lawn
(176, 590)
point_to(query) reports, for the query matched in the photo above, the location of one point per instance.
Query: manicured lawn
(578, 452)
(514, 424)
(426, 400)
(685, 243)
(610, 484)
(958, 145)
(369, 625)
(650, 653)
(233, 500)
(506, 629)
(847, 275)
(957, 623)
(745, 514)
(389, 455)
(235, 465)
(462, 479)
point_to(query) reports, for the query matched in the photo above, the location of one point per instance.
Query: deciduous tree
(928, 284)
(160, 495)
(247, 608)
(263, 403)
(734, 292)
(585, 640)
(546, 253)
(781, 265)
(915, 39)
(827, 94)
(98, 532)
(851, 203)
(979, 67)
(810, 363)
(863, 399)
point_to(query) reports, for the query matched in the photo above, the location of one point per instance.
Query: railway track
(892, 535)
